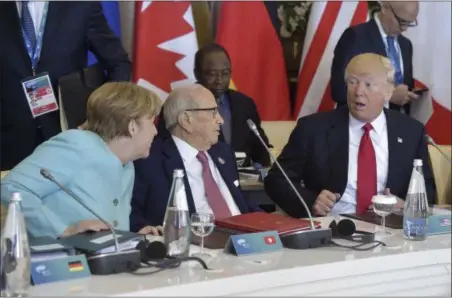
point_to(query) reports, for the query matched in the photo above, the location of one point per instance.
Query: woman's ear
(132, 127)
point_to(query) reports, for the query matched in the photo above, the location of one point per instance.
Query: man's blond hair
(114, 105)
(371, 63)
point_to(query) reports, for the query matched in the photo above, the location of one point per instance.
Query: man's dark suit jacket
(71, 30)
(154, 176)
(242, 138)
(317, 153)
(360, 39)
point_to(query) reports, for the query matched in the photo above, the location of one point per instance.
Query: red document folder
(261, 221)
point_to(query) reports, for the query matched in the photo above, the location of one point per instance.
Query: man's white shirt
(379, 138)
(193, 169)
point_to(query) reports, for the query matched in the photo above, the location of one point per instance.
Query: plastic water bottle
(177, 220)
(416, 208)
(15, 252)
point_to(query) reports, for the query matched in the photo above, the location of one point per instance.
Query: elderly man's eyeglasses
(213, 110)
(402, 22)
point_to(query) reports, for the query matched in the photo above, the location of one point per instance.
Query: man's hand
(399, 202)
(151, 230)
(83, 226)
(401, 95)
(324, 202)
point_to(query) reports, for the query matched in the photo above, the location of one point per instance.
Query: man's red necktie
(366, 171)
(215, 199)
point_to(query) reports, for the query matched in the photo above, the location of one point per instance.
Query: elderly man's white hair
(180, 100)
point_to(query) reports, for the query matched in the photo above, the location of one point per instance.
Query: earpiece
(154, 254)
(151, 251)
(346, 229)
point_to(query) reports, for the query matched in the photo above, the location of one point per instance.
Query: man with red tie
(339, 159)
(210, 174)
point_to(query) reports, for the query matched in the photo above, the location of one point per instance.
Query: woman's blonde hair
(114, 105)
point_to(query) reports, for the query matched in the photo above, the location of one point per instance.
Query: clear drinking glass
(383, 206)
(202, 225)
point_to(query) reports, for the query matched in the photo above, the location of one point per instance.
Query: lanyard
(34, 55)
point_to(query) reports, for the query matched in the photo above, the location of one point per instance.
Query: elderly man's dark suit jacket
(154, 176)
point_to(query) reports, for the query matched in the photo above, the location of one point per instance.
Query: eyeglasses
(214, 110)
(402, 22)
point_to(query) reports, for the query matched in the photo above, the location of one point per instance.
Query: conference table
(403, 268)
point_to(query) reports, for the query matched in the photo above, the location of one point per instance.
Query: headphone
(346, 229)
(154, 254)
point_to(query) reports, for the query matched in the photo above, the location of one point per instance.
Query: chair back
(442, 173)
(278, 133)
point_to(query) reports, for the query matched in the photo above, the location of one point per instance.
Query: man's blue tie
(28, 26)
(392, 54)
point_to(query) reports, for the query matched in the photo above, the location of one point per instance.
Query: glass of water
(383, 206)
(202, 225)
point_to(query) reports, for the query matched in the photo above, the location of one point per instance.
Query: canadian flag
(165, 44)
(431, 41)
(328, 20)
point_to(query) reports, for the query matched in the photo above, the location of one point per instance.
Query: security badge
(40, 96)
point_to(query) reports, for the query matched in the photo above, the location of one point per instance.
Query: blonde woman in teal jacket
(94, 163)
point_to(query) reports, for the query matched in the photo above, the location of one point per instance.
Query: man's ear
(185, 120)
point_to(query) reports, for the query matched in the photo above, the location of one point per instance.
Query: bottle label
(415, 226)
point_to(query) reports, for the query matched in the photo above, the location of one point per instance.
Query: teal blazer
(81, 161)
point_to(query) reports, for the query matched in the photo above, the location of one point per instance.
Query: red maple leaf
(158, 23)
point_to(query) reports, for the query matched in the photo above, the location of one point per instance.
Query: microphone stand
(104, 263)
(431, 141)
(301, 239)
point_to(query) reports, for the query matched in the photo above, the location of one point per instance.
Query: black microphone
(430, 140)
(104, 263)
(299, 240)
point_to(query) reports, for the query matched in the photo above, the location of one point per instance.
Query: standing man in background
(42, 41)
(380, 35)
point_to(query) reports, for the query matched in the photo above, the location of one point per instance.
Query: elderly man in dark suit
(210, 174)
(339, 159)
(58, 35)
(213, 70)
(380, 35)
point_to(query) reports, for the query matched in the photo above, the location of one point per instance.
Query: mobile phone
(420, 91)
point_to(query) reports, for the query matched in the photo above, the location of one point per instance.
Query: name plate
(59, 269)
(439, 224)
(253, 243)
